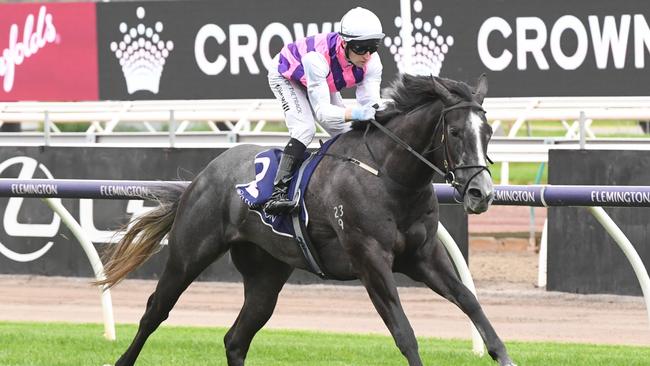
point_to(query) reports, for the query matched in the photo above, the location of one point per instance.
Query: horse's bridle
(450, 166)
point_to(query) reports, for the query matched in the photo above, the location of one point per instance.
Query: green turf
(601, 128)
(60, 344)
(521, 173)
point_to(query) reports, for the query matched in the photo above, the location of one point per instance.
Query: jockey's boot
(279, 202)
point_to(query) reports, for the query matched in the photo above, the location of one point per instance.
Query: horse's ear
(481, 88)
(444, 94)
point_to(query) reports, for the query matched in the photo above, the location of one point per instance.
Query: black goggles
(361, 47)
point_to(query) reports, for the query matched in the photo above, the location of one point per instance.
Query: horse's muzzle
(479, 194)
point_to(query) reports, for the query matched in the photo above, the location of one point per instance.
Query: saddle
(293, 225)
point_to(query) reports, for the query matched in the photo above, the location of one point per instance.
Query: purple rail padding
(512, 195)
(560, 195)
(616, 196)
(503, 195)
(519, 195)
(81, 188)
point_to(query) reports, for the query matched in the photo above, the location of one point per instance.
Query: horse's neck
(417, 130)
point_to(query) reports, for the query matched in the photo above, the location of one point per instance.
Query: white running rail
(240, 113)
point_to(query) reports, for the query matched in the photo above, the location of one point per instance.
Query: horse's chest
(416, 223)
(413, 228)
(418, 233)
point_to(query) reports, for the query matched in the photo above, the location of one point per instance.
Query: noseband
(450, 167)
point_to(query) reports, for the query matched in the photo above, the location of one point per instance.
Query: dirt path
(504, 280)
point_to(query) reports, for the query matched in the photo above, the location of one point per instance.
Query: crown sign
(142, 55)
(429, 48)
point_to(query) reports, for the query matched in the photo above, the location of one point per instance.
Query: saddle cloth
(257, 192)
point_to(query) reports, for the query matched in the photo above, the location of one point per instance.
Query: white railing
(246, 114)
(237, 114)
(243, 121)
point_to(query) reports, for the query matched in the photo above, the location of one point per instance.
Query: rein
(400, 142)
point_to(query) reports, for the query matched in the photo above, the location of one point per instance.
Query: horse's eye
(454, 132)
(490, 132)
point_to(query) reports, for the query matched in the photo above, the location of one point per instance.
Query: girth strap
(300, 230)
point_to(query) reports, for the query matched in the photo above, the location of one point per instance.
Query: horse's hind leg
(184, 264)
(264, 277)
(432, 266)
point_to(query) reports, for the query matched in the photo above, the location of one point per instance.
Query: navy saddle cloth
(257, 192)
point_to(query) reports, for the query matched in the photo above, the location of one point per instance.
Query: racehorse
(363, 226)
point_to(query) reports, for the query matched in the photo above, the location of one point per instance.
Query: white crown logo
(142, 55)
(428, 48)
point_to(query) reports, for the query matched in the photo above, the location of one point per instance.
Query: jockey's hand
(363, 113)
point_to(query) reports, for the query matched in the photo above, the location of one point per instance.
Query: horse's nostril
(474, 192)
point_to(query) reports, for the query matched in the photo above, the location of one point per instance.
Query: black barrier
(582, 257)
(209, 50)
(35, 242)
(201, 49)
(30, 225)
(222, 49)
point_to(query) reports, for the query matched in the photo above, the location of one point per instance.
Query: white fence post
(459, 262)
(542, 260)
(627, 248)
(95, 262)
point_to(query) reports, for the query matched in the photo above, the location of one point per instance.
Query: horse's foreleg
(182, 267)
(263, 277)
(432, 266)
(375, 272)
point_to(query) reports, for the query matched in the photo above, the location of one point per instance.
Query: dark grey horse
(363, 226)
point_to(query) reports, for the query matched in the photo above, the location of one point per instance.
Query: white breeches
(298, 114)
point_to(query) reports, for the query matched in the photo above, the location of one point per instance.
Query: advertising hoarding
(48, 52)
(223, 49)
(526, 48)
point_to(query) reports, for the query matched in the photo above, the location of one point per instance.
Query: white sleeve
(368, 90)
(337, 99)
(316, 71)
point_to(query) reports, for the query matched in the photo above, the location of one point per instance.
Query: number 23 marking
(338, 214)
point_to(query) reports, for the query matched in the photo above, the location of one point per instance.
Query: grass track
(61, 344)
(520, 173)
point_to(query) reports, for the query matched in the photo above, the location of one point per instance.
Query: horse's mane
(409, 92)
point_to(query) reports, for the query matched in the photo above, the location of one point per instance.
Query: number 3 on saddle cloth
(257, 192)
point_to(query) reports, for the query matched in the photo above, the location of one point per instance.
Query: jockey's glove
(363, 113)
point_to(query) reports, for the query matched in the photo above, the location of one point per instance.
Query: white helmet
(360, 24)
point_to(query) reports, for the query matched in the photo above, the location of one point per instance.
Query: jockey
(307, 81)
